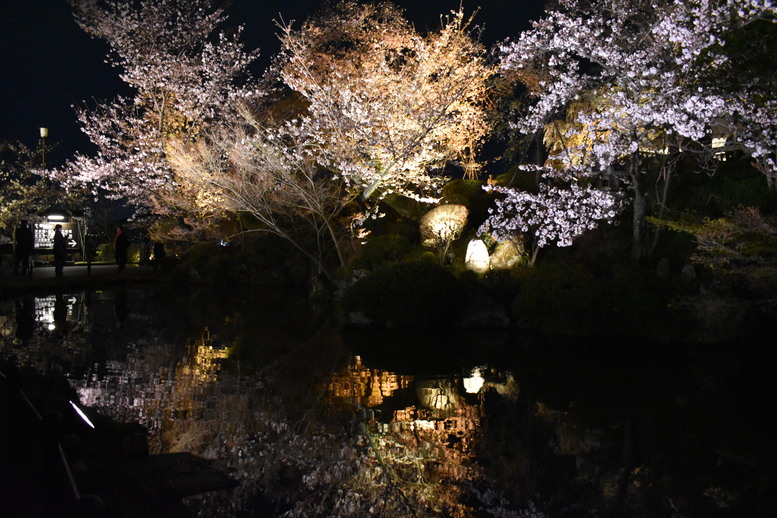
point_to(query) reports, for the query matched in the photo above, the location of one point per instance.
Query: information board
(44, 234)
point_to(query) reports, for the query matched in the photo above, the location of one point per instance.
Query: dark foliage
(415, 295)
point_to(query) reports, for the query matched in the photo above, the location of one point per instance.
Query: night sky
(47, 64)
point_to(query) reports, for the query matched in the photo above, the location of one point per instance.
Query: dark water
(315, 420)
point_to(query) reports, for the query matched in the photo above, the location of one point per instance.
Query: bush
(620, 300)
(383, 249)
(104, 253)
(211, 262)
(259, 260)
(416, 295)
(560, 298)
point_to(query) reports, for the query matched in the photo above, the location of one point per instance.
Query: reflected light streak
(81, 413)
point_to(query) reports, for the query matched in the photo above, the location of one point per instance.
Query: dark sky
(47, 64)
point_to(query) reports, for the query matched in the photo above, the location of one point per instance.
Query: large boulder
(507, 254)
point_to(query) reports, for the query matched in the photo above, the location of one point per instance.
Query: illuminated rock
(506, 255)
(477, 258)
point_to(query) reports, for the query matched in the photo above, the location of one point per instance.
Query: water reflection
(316, 427)
(363, 437)
(121, 307)
(165, 389)
(25, 319)
(53, 311)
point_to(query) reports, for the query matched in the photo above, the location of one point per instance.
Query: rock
(664, 268)
(506, 255)
(174, 475)
(477, 259)
(688, 273)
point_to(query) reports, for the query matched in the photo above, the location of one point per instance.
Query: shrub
(383, 249)
(211, 261)
(559, 298)
(104, 253)
(417, 295)
(620, 300)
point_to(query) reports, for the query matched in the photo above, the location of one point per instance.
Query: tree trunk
(667, 175)
(539, 150)
(535, 250)
(639, 208)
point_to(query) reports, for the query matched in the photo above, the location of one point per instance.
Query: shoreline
(74, 276)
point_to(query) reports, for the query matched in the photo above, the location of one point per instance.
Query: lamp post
(44, 132)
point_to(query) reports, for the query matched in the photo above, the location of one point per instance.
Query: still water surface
(315, 420)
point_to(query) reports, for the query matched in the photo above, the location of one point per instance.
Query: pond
(315, 419)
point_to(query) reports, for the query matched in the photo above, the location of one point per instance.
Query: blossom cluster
(387, 105)
(648, 67)
(557, 214)
(186, 79)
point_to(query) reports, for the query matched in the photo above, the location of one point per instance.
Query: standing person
(159, 255)
(120, 246)
(24, 245)
(60, 250)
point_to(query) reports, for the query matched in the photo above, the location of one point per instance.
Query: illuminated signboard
(44, 234)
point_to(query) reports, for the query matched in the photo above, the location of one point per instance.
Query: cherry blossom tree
(388, 106)
(261, 171)
(653, 78)
(561, 210)
(185, 78)
(26, 191)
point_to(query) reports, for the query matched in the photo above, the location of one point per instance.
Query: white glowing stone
(477, 258)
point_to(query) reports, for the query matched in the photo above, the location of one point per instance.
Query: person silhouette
(120, 245)
(159, 255)
(60, 250)
(24, 246)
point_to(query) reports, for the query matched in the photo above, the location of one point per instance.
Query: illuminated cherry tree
(261, 171)
(185, 78)
(561, 210)
(656, 79)
(388, 106)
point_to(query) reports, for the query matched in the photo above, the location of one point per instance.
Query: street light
(44, 132)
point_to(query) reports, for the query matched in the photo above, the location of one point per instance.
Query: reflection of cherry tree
(291, 451)
(422, 455)
(145, 389)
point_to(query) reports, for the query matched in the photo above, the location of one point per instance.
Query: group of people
(25, 244)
